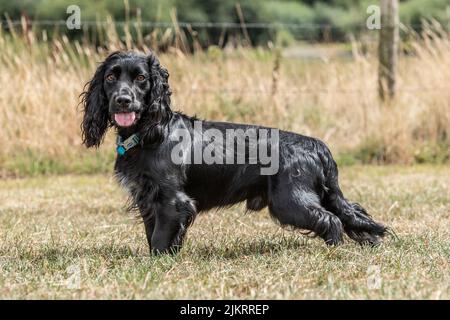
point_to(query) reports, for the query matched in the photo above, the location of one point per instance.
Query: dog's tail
(358, 224)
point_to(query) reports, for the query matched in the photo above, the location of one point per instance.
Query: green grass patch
(433, 153)
(373, 151)
(33, 163)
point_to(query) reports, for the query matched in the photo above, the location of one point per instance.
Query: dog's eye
(110, 77)
(140, 77)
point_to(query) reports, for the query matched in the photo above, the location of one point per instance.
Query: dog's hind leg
(358, 224)
(301, 209)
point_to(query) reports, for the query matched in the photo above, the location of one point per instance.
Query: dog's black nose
(123, 100)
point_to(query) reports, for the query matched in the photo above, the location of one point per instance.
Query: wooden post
(243, 27)
(388, 48)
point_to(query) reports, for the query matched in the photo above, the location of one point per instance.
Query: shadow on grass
(111, 253)
(238, 248)
(55, 254)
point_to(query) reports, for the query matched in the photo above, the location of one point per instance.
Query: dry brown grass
(334, 100)
(53, 226)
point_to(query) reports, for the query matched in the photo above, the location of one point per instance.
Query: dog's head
(129, 91)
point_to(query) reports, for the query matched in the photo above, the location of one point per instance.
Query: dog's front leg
(171, 222)
(167, 225)
(149, 223)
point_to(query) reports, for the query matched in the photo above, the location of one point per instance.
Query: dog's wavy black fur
(303, 194)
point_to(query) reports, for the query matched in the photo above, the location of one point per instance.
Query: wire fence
(215, 32)
(315, 91)
(209, 32)
(206, 24)
(167, 24)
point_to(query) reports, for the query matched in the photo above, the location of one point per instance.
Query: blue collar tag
(121, 150)
(124, 146)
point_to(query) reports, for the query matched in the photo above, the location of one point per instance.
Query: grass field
(70, 237)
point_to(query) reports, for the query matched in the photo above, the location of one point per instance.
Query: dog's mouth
(125, 119)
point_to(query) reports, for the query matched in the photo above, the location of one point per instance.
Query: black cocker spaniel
(175, 166)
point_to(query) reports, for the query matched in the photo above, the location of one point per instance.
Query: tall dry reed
(335, 100)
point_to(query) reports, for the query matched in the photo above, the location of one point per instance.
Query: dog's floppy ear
(159, 76)
(95, 108)
(158, 113)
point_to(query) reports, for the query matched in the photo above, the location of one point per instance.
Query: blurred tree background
(317, 20)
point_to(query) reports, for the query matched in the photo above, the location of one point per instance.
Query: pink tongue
(125, 119)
